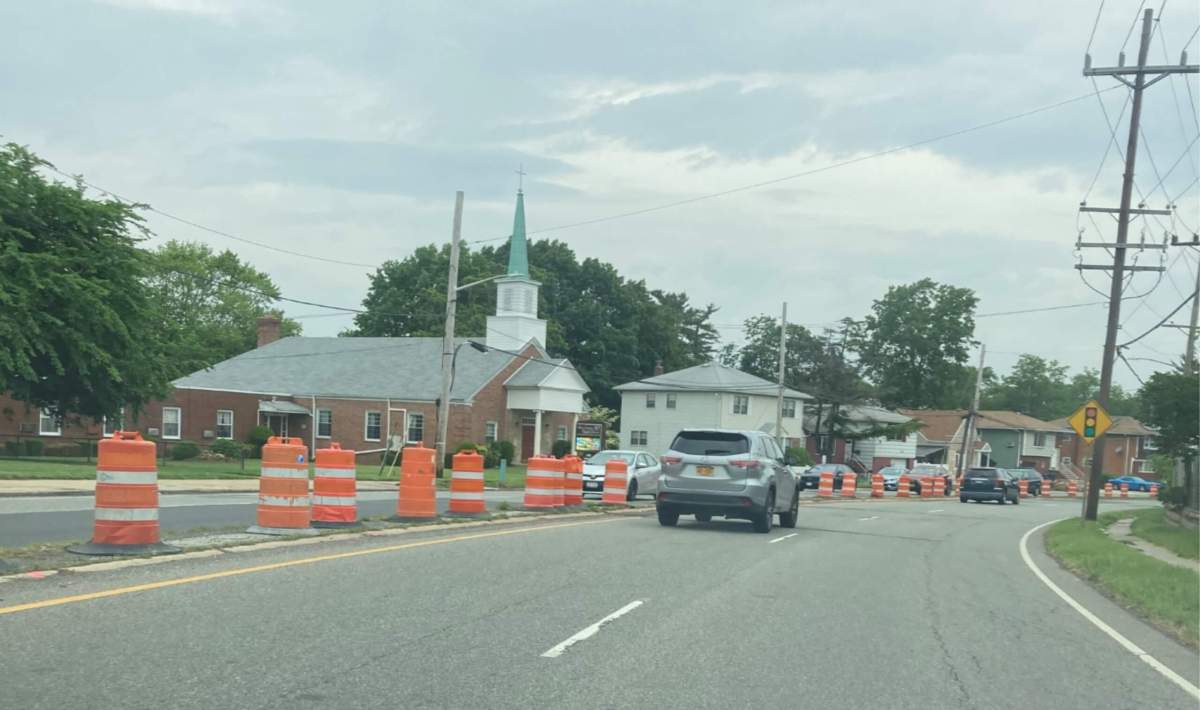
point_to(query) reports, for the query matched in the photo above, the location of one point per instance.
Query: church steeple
(518, 250)
(516, 321)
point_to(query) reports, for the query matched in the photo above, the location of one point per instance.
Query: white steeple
(516, 321)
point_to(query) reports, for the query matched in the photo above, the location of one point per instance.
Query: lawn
(1168, 596)
(79, 469)
(1152, 526)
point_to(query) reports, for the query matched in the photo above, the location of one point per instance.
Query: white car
(644, 471)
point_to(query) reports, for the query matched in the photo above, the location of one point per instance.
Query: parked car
(1136, 483)
(732, 473)
(986, 483)
(929, 470)
(812, 477)
(891, 476)
(644, 471)
(1032, 478)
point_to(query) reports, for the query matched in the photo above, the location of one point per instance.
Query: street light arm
(481, 281)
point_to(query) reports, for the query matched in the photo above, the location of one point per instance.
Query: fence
(82, 449)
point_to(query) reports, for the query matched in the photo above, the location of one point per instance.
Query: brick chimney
(658, 368)
(268, 330)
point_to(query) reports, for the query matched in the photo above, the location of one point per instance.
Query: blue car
(1135, 483)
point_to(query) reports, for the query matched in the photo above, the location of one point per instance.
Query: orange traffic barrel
(825, 487)
(902, 486)
(939, 487)
(572, 480)
(877, 486)
(466, 484)
(1124, 490)
(284, 507)
(849, 485)
(1072, 489)
(616, 482)
(1107, 489)
(1153, 490)
(334, 504)
(543, 483)
(926, 487)
(1023, 488)
(418, 492)
(126, 520)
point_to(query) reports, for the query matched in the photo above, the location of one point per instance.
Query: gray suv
(736, 474)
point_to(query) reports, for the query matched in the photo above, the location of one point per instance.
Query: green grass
(1153, 527)
(1168, 596)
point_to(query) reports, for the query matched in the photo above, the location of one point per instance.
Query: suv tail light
(671, 460)
(746, 464)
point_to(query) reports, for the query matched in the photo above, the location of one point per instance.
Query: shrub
(1174, 497)
(13, 448)
(501, 450)
(560, 448)
(256, 438)
(183, 450)
(798, 456)
(228, 448)
(33, 447)
(65, 449)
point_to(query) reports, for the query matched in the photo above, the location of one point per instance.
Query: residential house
(713, 395)
(1128, 446)
(939, 440)
(1019, 440)
(365, 393)
(862, 453)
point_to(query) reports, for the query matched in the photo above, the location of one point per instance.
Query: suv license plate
(704, 470)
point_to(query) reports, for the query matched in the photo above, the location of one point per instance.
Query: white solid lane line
(590, 631)
(939, 510)
(873, 517)
(1113, 633)
(782, 538)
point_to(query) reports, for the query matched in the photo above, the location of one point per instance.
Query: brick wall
(1116, 463)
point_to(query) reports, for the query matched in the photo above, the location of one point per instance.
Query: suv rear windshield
(710, 443)
(982, 473)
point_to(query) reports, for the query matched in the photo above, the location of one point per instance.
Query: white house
(867, 454)
(710, 395)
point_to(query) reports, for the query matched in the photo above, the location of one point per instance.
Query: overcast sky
(343, 130)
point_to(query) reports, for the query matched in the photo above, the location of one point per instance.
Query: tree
(913, 346)
(77, 326)
(1168, 404)
(1035, 386)
(812, 365)
(1085, 385)
(207, 304)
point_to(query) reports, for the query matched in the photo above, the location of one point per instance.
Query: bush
(33, 447)
(797, 456)
(560, 448)
(256, 438)
(183, 450)
(65, 449)
(228, 448)
(500, 450)
(1174, 497)
(13, 448)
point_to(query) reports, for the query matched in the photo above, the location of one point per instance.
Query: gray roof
(709, 377)
(369, 368)
(534, 372)
(860, 417)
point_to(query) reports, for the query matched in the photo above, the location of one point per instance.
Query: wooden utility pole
(443, 416)
(782, 372)
(1118, 268)
(968, 442)
(1190, 353)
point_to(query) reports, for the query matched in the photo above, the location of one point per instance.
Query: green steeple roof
(518, 251)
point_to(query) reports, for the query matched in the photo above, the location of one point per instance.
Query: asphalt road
(26, 520)
(869, 605)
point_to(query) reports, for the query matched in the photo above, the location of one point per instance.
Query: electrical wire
(1156, 326)
(1095, 24)
(1136, 16)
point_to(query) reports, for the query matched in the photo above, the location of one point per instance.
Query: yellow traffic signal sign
(1090, 421)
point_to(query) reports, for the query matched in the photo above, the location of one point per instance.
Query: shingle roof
(533, 372)
(1000, 419)
(375, 368)
(709, 377)
(1122, 426)
(939, 424)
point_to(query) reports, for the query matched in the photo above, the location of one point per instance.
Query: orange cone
(939, 487)
(1124, 490)
(1072, 489)
(126, 499)
(1023, 488)
(902, 489)
(466, 485)
(926, 487)
(572, 480)
(418, 493)
(543, 483)
(849, 485)
(877, 486)
(283, 503)
(825, 488)
(616, 481)
(1108, 490)
(334, 502)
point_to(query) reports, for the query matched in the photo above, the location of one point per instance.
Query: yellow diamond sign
(1090, 421)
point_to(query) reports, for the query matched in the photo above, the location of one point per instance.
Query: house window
(416, 428)
(650, 400)
(224, 423)
(1066, 460)
(324, 423)
(172, 416)
(789, 408)
(897, 436)
(1039, 438)
(670, 401)
(741, 404)
(637, 438)
(1148, 444)
(372, 426)
(49, 424)
(112, 425)
(490, 432)
(562, 434)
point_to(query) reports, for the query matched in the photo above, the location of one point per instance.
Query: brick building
(365, 393)
(1128, 446)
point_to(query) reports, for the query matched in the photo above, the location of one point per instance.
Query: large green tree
(914, 344)
(78, 330)
(1035, 386)
(612, 328)
(207, 304)
(1169, 404)
(816, 366)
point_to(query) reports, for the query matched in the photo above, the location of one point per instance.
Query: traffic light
(1089, 423)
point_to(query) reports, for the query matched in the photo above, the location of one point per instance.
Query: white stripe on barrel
(143, 477)
(333, 500)
(284, 472)
(288, 501)
(127, 514)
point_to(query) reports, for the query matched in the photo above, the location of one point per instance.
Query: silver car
(644, 471)
(736, 474)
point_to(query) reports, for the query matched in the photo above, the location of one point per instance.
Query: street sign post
(1090, 421)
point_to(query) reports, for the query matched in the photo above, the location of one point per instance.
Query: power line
(1095, 24)
(1133, 24)
(1158, 324)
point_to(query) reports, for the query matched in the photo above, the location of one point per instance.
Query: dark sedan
(1033, 479)
(924, 471)
(812, 477)
(980, 484)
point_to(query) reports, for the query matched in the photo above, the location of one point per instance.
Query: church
(367, 393)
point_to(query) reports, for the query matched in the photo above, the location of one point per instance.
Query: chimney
(658, 368)
(268, 330)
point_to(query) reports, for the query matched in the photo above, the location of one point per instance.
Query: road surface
(869, 605)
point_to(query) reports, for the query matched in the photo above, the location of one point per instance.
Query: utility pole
(782, 369)
(968, 441)
(1190, 352)
(443, 416)
(1118, 268)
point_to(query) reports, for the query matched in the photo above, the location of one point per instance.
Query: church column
(537, 432)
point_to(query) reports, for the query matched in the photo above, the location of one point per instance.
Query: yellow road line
(119, 591)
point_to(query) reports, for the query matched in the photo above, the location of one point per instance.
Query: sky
(342, 130)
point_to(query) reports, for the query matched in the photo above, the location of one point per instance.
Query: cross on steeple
(520, 176)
